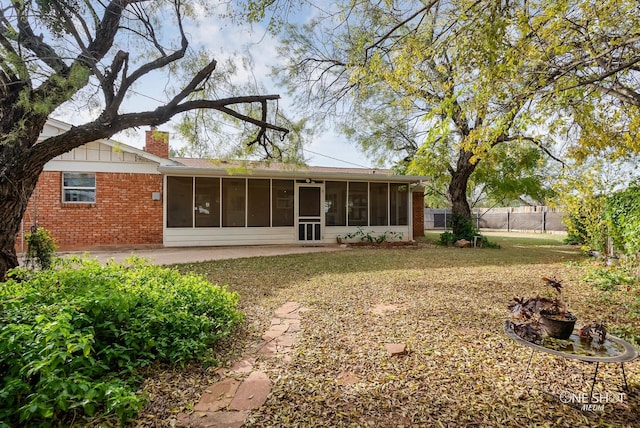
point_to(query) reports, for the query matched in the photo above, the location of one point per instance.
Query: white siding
(223, 236)
(100, 157)
(228, 236)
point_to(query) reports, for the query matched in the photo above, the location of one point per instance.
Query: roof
(210, 167)
(217, 167)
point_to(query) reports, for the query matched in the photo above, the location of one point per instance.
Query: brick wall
(157, 143)
(418, 214)
(124, 213)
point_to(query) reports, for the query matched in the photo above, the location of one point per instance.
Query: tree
(591, 53)
(51, 51)
(467, 77)
(449, 67)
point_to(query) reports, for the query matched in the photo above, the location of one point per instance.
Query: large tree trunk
(14, 195)
(20, 168)
(457, 191)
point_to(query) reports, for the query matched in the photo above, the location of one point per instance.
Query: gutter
(292, 174)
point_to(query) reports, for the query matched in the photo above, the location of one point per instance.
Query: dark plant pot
(558, 326)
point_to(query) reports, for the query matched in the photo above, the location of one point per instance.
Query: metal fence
(521, 219)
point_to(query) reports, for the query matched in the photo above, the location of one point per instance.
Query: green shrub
(447, 238)
(623, 218)
(466, 230)
(609, 278)
(586, 222)
(72, 338)
(40, 248)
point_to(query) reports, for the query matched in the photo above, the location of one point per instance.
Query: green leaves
(73, 338)
(623, 220)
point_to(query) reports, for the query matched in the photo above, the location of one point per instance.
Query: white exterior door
(309, 212)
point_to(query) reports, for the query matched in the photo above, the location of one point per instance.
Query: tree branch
(539, 144)
(79, 135)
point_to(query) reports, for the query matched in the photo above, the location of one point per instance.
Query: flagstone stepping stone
(227, 403)
(217, 396)
(252, 392)
(383, 308)
(396, 348)
(214, 420)
(347, 378)
(243, 366)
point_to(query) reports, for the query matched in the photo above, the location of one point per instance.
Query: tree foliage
(454, 82)
(436, 80)
(591, 55)
(583, 191)
(623, 220)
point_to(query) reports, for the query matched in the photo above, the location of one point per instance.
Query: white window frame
(86, 188)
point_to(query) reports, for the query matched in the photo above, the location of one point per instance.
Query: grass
(461, 369)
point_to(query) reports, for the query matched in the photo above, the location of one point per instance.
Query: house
(105, 195)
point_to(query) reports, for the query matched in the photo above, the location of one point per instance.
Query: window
(335, 204)
(180, 202)
(207, 209)
(282, 204)
(399, 204)
(358, 204)
(379, 204)
(233, 202)
(79, 187)
(258, 198)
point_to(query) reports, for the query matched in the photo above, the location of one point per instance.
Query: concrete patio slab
(167, 256)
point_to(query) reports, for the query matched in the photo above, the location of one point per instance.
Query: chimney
(157, 142)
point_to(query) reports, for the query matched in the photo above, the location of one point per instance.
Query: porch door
(309, 212)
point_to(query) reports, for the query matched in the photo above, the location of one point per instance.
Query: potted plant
(534, 316)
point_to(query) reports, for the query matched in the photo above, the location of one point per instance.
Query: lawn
(461, 368)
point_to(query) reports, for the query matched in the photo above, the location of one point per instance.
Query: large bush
(586, 222)
(623, 215)
(73, 337)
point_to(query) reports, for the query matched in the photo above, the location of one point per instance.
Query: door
(309, 212)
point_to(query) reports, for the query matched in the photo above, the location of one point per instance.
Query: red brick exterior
(157, 143)
(418, 214)
(124, 213)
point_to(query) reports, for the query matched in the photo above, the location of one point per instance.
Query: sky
(224, 39)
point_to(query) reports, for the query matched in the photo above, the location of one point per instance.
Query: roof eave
(291, 174)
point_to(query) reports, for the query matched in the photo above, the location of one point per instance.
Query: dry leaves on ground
(448, 306)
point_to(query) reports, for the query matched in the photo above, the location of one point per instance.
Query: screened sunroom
(221, 204)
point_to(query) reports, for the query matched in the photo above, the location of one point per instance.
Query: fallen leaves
(448, 307)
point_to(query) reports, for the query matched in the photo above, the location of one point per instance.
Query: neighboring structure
(106, 194)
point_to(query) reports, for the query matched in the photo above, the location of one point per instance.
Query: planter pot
(558, 326)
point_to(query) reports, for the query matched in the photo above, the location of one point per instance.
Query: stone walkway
(241, 388)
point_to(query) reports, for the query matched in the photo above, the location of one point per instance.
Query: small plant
(463, 228)
(41, 248)
(535, 315)
(594, 330)
(361, 236)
